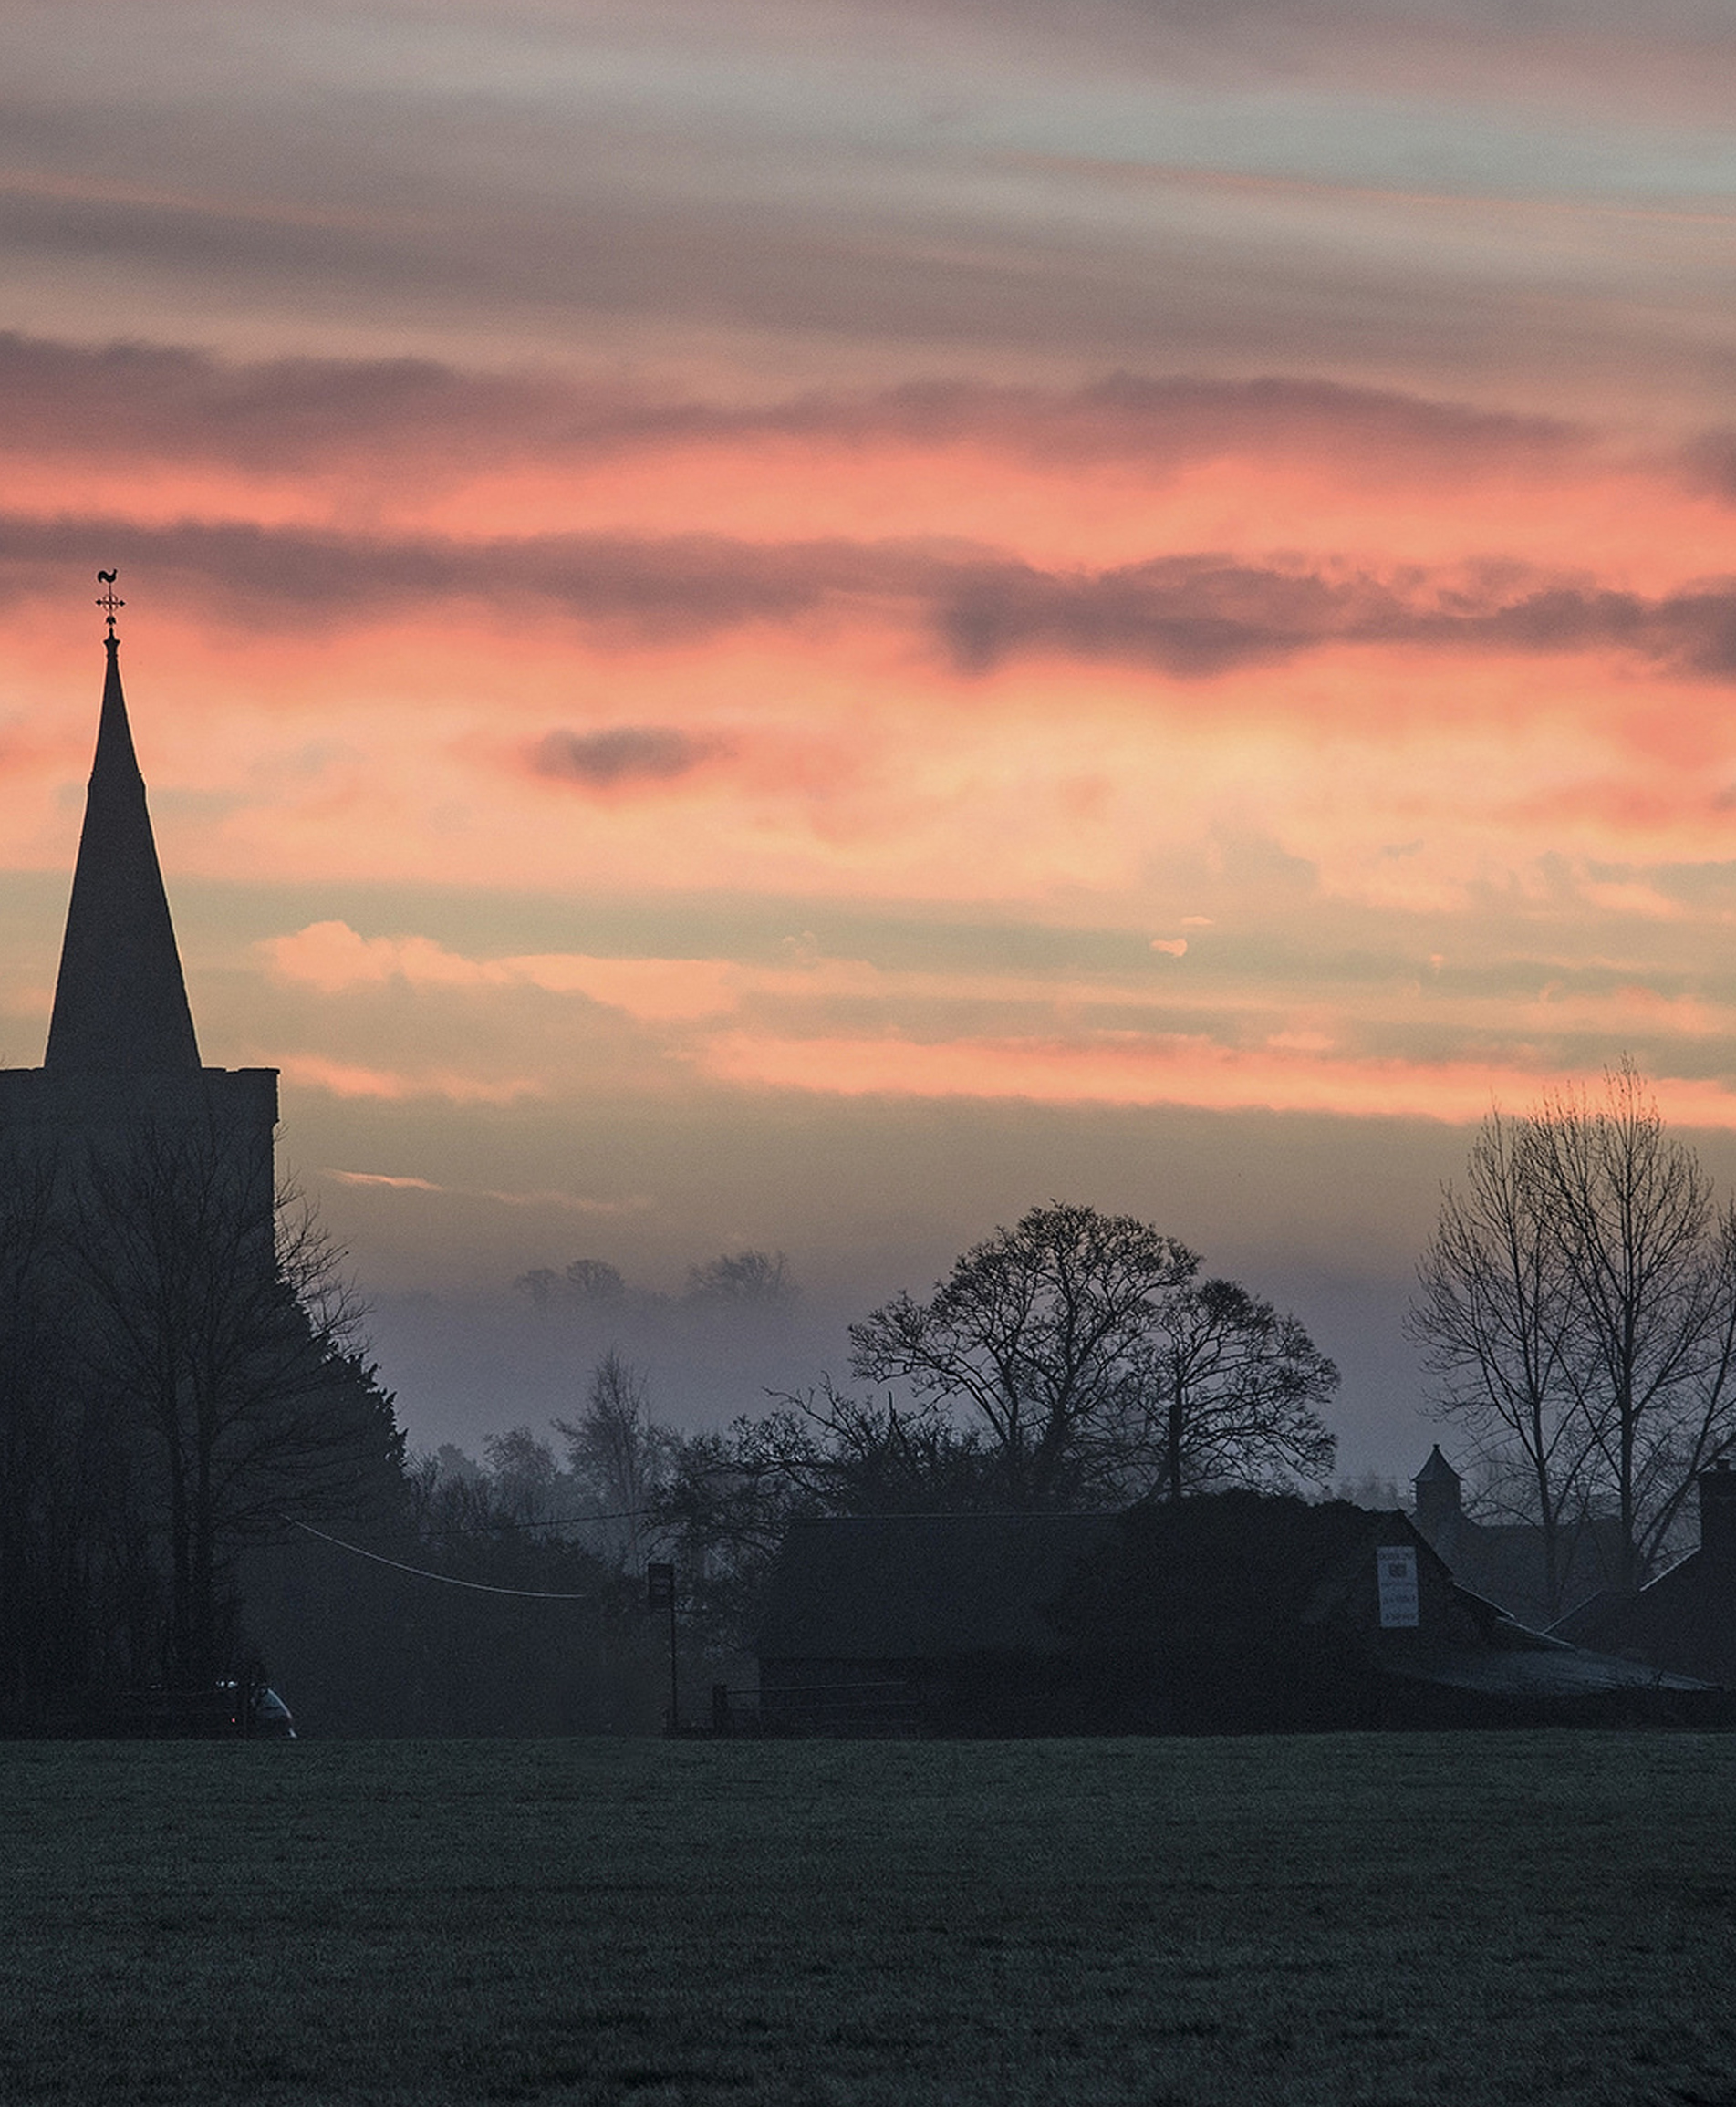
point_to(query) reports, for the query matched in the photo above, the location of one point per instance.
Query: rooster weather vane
(108, 600)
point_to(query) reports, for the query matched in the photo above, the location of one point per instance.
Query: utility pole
(659, 1594)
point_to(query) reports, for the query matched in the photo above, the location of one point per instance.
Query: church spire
(120, 1004)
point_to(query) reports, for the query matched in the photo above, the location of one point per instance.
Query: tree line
(745, 1280)
(1077, 1360)
(188, 1420)
(197, 1461)
(1074, 1360)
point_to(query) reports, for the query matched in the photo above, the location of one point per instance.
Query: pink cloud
(1165, 1072)
(349, 1079)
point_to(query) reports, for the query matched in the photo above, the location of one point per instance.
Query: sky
(804, 626)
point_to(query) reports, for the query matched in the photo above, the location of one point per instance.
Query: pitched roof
(894, 1587)
(931, 1586)
(1233, 1568)
(119, 1004)
(1436, 1470)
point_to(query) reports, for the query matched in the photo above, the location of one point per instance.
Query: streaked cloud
(554, 1200)
(345, 1079)
(700, 578)
(1191, 616)
(1175, 1072)
(310, 415)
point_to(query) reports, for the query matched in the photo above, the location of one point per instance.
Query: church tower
(120, 1004)
(122, 1060)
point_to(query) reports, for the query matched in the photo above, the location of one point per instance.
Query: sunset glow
(1087, 557)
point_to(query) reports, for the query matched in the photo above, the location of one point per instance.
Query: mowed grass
(1334, 1919)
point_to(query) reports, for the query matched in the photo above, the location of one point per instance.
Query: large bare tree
(1578, 1303)
(1097, 1367)
(1654, 1296)
(1494, 1315)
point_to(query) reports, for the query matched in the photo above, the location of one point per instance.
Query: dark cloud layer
(295, 578)
(1189, 616)
(1199, 615)
(169, 402)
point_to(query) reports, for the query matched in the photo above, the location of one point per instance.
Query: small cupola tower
(1437, 1487)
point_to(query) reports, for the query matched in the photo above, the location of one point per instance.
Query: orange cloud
(1171, 1072)
(345, 1079)
(332, 957)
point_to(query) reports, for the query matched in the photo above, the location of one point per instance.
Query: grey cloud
(1191, 617)
(1196, 616)
(623, 753)
(346, 177)
(286, 577)
(928, 266)
(166, 401)
(173, 402)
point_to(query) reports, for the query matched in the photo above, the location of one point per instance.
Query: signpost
(659, 1594)
(1396, 1568)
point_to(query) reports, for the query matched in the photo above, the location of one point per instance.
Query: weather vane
(109, 600)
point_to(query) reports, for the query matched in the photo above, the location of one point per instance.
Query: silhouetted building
(1684, 1620)
(909, 1623)
(122, 1060)
(146, 1335)
(1229, 1613)
(1505, 1561)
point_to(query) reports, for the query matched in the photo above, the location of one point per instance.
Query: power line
(491, 1526)
(445, 1579)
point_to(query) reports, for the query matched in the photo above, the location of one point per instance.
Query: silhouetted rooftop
(906, 1586)
(1436, 1470)
(120, 1004)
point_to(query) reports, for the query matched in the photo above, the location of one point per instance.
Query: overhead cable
(446, 1579)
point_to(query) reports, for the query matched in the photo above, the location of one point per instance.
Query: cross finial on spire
(108, 600)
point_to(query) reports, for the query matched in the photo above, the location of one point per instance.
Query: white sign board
(1396, 1567)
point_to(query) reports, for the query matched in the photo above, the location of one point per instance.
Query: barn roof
(919, 1586)
(927, 1586)
(1232, 1566)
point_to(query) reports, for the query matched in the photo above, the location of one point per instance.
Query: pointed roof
(120, 1004)
(1436, 1470)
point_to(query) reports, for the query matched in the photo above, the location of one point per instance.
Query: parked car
(267, 1721)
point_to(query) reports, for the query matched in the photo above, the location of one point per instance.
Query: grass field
(1336, 1919)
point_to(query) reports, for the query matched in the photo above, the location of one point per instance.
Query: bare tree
(224, 1337)
(1229, 1398)
(1040, 1331)
(1578, 1303)
(539, 1284)
(524, 1472)
(1654, 1296)
(1495, 1315)
(1099, 1370)
(741, 1277)
(615, 1454)
(595, 1281)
